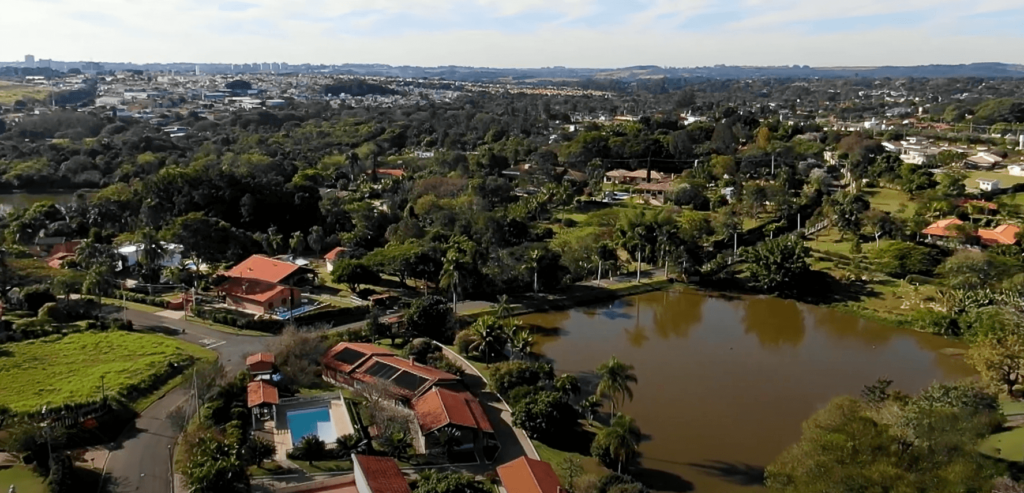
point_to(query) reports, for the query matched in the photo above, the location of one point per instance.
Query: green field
(888, 200)
(1005, 180)
(56, 371)
(9, 93)
(1008, 445)
(22, 478)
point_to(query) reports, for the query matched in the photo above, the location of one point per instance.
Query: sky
(518, 33)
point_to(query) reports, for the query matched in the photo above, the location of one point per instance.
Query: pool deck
(282, 435)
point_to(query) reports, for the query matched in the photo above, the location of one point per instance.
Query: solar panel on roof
(409, 381)
(349, 356)
(382, 371)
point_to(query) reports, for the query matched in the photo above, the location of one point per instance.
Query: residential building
(526, 475)
(260, 365)
(1004, 234)
(625, 177)
(262, 285)
(169, 257)
(452, 410)
(378, 475)
(940, 230)
(1015, 169)
(388, 174)
(984, 160)
(988, 185)
(655, 192)
(262, 399)
(351, 364)
(333, 256)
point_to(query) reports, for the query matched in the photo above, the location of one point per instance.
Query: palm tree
(535, 257)
(568, 386)
(503, 308)
(489, 335)
(621, 439)
(450, 277)
(590, 406)
(520, 341)
(316, 239)
(615, 380)
(311, 448)
(448, 438)
(274, 240)
(96, 282)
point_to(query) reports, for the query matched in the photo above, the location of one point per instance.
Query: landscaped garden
(77, 368)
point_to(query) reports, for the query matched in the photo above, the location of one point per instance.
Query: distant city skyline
(519, 33)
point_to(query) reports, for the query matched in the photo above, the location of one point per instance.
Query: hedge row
(268, 326)
(142, 298)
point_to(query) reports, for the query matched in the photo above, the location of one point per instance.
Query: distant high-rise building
(30, 60)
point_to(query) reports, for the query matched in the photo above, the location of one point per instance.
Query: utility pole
(599, 263)
(773, 164)
(639, 260)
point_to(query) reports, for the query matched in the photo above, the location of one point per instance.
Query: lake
(10, 201)
(725, 382)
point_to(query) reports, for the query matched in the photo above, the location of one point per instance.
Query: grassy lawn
(201, 354)
(23, 480)
(555, 457)
(1004, 178)
(1008, 445)
(56, 371)
(888, 200)
(1012, 408)
(9, 93)
(828, 241)
(131, 305)
(325, 466)
(268, 469)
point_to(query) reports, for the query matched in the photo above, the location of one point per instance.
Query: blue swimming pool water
(316, 421)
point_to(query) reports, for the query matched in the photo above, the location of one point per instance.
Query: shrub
(569, 222)
(507, 376)
(935, 322)
(543, 415)
(463, 341)
(899, 259)
(445, 364)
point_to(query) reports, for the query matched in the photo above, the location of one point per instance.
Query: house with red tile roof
(260, 364)
(333, 256)
(261, 284)
(459, 413)
(262, 398)
(526, 475)
(347, 364)
(941, 229)
(1005, 234)
(378, 475)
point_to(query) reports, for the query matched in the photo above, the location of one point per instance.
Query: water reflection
(725, 382)
(774, 322)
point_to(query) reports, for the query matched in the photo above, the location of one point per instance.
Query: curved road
(141, 459)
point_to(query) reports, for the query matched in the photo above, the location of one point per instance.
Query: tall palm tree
(621, 438)
(275, 240)
(590, 406)
(489, 336)
(96, 282)
(615, 382)
(535, 257)
(450, 277)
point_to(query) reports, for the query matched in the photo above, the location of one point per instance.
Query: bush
(420, 349)
(463, 341)
(569, 222)
(899, 260)
(935, 322)
(544, 415)
(916, 279)
(52, 312)
(507, 376)
(142, 298)
(445, 364)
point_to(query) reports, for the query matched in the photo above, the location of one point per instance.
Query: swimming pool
(316, 421)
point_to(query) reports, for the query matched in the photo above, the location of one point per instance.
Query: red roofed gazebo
(526, 475)
(260, 363)
(263, 400)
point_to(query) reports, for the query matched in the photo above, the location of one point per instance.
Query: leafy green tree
(777, 265)
(261, 450)
(969, 270)
(615, 381)
(507, 376)
(429, 316)
(543, 415)
(431, 481)
(214, 467)
(353, 273)
(618, 443)
(1000, 360)
(568, 385)
(899, 259)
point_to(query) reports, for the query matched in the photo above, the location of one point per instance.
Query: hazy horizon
(519, 33)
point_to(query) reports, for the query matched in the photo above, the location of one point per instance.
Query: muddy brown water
(725, 382)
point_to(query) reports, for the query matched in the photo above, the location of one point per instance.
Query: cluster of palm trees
(620, 440)
(489, 336)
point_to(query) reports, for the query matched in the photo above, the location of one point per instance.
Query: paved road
(141, 461)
